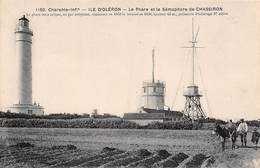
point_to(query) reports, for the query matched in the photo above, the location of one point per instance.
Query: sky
(99, 62)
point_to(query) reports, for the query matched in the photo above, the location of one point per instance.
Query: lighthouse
(23, 44)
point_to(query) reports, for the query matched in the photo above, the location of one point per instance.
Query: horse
(223, 133)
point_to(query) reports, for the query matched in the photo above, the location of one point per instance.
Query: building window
(154, 89)
(160, 89)
(144, 90)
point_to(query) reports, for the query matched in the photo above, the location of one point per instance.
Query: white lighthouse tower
(23, 42)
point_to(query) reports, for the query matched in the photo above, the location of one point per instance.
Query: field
(57, 147)
(174, 141)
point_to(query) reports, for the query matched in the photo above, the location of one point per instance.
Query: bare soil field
(35, 147)
(174, 141)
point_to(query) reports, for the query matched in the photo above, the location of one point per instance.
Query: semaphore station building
(153, 107)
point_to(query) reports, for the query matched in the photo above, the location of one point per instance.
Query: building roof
(147, 110)
(168, 113)
(24, 18)
(144, 116)
(146, 113)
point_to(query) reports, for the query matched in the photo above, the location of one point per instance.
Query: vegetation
(117, 123)
(212, 120)
(55, 116)
(100, 121)
(171, 125)
(64, 123)
(49, 116)
(82, 121)
(253, 123)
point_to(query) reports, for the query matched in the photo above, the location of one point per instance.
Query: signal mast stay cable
(181, 79)
(204, 88)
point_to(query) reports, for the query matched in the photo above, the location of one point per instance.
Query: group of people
(241, 130)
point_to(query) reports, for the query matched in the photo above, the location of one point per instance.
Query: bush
(49, 116)
(212, 120)
(70, 122)
(65, 123)
(253, 123)
(170, 125)
(91, 123)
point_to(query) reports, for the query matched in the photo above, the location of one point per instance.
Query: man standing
(242, 130)
(232, 133)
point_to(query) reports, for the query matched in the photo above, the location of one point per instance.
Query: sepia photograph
(125, 84)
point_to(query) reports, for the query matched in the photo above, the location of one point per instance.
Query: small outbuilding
(145, 116)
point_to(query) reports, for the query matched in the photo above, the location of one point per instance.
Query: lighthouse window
(24, 23)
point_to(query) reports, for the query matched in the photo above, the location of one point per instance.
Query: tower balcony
(153, 83)
(192, 91)
(22, 29)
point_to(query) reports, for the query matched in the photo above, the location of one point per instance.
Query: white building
(23, 42)
(153, 95)
(152, 109)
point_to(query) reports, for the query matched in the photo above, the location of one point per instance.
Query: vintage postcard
(142, 83)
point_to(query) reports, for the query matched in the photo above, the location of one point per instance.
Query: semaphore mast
(192, 108)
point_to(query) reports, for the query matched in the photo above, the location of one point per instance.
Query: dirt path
(239, 158)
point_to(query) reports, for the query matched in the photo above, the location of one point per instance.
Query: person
(242, 130)
(231, 127)
(255, 137)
